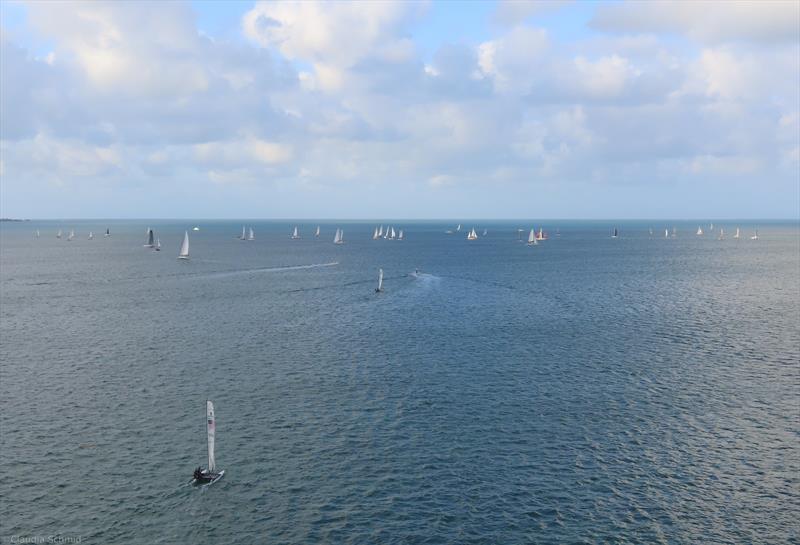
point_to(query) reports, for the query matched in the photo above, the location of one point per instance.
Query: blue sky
(397, 109)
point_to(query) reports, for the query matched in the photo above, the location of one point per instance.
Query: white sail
(158, 244)
(711, 227)
(341, 236)
(91, 235)
(485, 232)
(400, 235)
(721, 233)
(380, 231)
(337, 238)
(532, 237)
(59, 234)
(37, 233)
(375, 235)
(459, 227)
(666, 233)
(71, 235)
(211, 425)
(755, 235)
(242, 237)
(251, 235)
(295, 233)
(472, 235)
(380, 279)
(392, 235)
(699, 231)
(737, 233)
(185, 246)
(540, 236)
(316, 234)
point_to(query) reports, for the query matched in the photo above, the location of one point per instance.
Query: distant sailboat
(71, 234)
(338, 238)
(472, 235)
(380, 281)
(736, 235)
(651, 231)
(392, 236)
(209, 475)
(699, 232)
(108, 233)
(251, 235)
(400, 235)
(242, 236)
(458, 228)
(674, 232)
(666, 233)
(615, 234)
(375, 235)
(386, 233)
(158, 245)
(519, 234)
(91, 235)
(295, 234)
(58, 235)
(37, 233)
(184, 254)
(540, 235)
(195, 228)
(721, 233)
(150, 238)
(532, 238)
(316, 233)
(485, 232)
(755, 235)
(380, 231)
(711, 226)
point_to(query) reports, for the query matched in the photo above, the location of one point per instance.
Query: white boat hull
(212, 481)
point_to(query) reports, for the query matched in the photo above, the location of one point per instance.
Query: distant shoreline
(12, 219)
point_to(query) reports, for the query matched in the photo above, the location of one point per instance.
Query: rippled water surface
(587, 390)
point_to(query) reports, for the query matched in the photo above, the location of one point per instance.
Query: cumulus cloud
(708, 21)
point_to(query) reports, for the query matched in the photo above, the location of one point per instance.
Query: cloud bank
(333, 110)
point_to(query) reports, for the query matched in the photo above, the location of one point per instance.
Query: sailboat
(108, 233)
(674, 232)
(721, 233)
(295, 234)
(392, 236)
(485, 232)
(91, 235)
(380, 231)
(755, 235)
(37, 233)
(458, 228)
(532, 238)
(736, 235)
(386, 233)
(71, 234)
(251, 235)
(209, 475)
(472, 235)
(615, 234)
(711, 226)
(380, 281)
(184, 254)
(316, 234)
(699, 231)
(58, 235)
(150, 238)
(400, 235)
(519, 234)
(158, 245)
(540, 236)
(375, 235)
(338, 237)
(243, 237)
(666, 233)
(651, 231)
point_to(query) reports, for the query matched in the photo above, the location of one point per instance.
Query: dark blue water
(587, 390)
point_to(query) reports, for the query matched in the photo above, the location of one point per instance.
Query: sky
(414, 110)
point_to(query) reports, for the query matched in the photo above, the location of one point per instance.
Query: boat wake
(225, 274)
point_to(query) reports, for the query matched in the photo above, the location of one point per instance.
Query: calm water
(585, 390)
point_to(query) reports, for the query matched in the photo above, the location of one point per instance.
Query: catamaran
(736, 235)
(210, 474)
(338, 238)
(251, 235)
(532, 238)
(150, 238)
(295, 234)
(699, 232)
(184, 254)
(472, 235)
(380, 281)
(755, 235)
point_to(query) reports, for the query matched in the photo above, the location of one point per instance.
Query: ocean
(584, 390)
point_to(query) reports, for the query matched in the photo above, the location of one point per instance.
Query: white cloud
(707, 21)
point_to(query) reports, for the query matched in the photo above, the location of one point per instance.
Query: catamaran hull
(210, 481)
